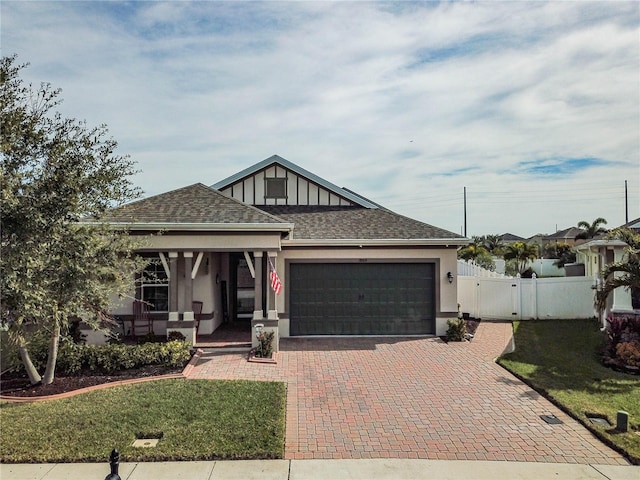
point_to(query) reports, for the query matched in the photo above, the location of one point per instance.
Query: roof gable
(302, 186)
(510, 237)
(195, 204)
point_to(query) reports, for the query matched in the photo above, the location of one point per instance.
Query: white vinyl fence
(526, 298)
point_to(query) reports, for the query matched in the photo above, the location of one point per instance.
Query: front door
(242, 289)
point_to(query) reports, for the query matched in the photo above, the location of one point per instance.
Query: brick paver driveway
(412, 398)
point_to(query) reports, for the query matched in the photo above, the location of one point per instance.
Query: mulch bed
(472, 325)
(19, 386)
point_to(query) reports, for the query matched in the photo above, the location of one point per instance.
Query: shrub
(622, 328)
(70, 356)
(629, 353)
(176, 335)
(457, 330)
(265, 344)
(174, 353)
(74, 358)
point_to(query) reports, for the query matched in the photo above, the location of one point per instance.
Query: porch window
(275, 187)
(155, 286)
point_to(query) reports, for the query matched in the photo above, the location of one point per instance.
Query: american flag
(276, 284)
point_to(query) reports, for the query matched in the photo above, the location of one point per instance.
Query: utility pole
(626, 204)
(465, 211)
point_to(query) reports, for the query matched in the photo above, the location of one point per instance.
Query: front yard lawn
(561, 358)
(197, 420)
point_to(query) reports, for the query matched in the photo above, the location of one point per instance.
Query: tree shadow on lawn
(598, 380)
(565, 355)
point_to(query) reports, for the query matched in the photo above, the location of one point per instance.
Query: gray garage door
(362, 298)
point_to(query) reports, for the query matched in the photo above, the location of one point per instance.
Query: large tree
(522, 253)
(622, 274)
(55, 174)
(590, 230)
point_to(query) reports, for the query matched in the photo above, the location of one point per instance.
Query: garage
(362, 298)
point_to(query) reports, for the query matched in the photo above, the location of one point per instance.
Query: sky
(532, 107)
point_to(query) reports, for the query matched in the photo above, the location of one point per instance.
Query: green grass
(561, 359)
(198, 419)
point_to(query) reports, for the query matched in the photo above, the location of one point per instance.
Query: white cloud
(404, 103)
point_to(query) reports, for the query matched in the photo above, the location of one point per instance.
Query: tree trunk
(52, 357)
(32, 373)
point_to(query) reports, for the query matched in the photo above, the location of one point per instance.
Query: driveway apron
(389, 397)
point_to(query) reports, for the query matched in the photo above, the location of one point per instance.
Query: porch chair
(141, 322)
(196, 306)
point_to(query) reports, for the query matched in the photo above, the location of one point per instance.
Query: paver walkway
(412, 398)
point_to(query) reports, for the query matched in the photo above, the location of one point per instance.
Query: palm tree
(522, 253)
(494, 244)
(590, 230)
(476, 252)
(627, 270)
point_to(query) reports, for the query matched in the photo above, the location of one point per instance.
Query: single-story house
(595, 254)
(346, 265)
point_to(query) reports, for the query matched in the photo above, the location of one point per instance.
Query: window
(155, 286)
(275, 187)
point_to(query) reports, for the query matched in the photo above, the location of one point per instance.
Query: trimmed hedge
(74, 358)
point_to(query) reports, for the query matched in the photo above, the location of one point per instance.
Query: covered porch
(214, 292)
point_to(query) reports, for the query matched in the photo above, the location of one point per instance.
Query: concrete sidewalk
(380, 469)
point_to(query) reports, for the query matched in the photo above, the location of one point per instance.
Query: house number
(363, 260)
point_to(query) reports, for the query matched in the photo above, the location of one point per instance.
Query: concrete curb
(380, 469)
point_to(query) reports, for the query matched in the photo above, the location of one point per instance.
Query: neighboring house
(509, 238)
(347, 265)
(568, 236)
(597, 252)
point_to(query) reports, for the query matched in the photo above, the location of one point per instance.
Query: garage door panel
(362, 299)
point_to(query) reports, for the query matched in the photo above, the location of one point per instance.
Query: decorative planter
(252, 358)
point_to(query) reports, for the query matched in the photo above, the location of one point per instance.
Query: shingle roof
(633, 224)
(568, 233)
(341, 223)
(194, 204)
(510, 237)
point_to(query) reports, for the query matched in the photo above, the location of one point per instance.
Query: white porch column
(188, 287)
(173, 287)
(621, 296)
(258, 314)
(272, 311)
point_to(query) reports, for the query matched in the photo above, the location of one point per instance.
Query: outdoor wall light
(450, 277)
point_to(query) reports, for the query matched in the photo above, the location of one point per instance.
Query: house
(347, 265)
(567, 236)
(509, 238)
(599, 251)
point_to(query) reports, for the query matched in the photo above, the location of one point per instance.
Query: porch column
(173, 286)
(188, 287)
(272, 310)
(258, 314)
(621, 296)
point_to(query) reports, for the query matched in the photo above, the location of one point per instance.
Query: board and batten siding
(300, 191)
